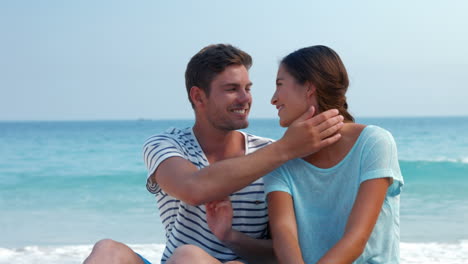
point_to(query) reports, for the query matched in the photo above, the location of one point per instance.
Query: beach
(66, 184)
(411, 253)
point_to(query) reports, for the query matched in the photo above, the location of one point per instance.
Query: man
(190, 167)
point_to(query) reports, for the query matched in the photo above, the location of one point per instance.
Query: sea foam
(438, 159)
(411, 253)
(434, 253)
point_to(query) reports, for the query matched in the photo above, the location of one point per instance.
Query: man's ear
(197, 95)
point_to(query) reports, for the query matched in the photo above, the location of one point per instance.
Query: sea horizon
(192, 119)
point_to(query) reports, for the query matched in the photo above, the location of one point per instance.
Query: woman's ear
(311, 89)
(311, 95)
(197, 96)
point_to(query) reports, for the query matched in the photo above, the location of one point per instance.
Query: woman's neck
(330, 156)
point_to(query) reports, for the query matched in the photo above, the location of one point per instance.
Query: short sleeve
(380, 160)
(155, 150)
(277, 181)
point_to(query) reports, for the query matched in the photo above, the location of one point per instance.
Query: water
(65, 185)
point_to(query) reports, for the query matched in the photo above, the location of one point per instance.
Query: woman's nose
(273, 99)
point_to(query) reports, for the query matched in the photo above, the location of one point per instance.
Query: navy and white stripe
(186, 224)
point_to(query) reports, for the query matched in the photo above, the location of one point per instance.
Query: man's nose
(244, 96)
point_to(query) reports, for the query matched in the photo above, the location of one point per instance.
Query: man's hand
(219, 218)
(308, 134)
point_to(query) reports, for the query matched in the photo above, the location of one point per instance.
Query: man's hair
(211, 61)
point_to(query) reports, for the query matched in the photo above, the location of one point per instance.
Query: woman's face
(290, 98)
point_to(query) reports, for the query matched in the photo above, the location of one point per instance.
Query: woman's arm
(283, 228)
(361, 222)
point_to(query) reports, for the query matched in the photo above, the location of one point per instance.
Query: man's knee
(190, 254)
(106, 246)
(110, 251)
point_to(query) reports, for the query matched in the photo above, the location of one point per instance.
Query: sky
(125, 60)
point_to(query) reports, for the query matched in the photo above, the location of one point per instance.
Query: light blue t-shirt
(323, 198)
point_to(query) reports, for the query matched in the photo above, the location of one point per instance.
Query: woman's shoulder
(353, 130)
(358, 129)
(350, 134)
(365, 136)
(374, 136)
(376, 132)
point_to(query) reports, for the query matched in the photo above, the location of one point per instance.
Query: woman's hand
(219, 218)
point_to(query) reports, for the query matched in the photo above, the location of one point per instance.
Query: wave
(411, 253)
(436, 170)
(461, 160)
(434, 253)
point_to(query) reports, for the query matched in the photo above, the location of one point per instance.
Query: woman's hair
(321, 66)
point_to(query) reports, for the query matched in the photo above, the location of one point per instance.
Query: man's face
(228, 104)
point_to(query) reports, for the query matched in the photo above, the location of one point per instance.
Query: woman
(341, 204)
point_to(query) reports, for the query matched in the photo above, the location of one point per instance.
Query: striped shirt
(186, 224)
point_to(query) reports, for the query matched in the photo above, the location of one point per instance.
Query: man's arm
(181, 179)
(219, 218)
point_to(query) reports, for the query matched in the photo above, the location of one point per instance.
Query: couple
(332, 185)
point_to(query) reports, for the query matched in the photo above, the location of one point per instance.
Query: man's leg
(193, 255)
(108, 251)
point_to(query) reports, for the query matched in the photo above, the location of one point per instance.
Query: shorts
(142, 258)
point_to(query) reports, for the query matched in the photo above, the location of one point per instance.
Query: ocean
(66, 184)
